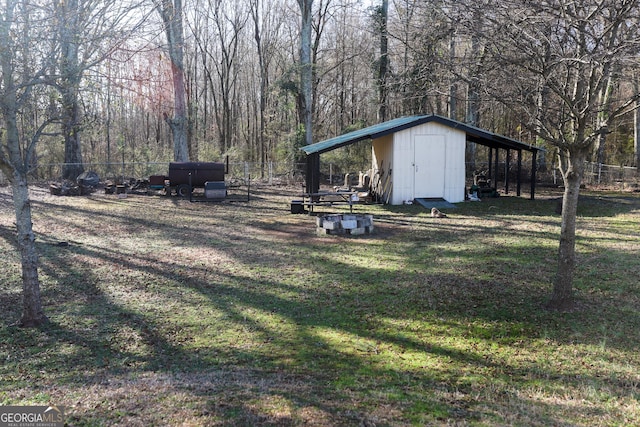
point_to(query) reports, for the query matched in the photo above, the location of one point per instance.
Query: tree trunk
(71, 75)
(306, 70)
(572, 167)
(384, 60)
(256, 10)
(73, 166)
(14, 161)
(636, 125)
(32, 312)
(178, 123)
(453, 86)
(306, 92)
(603, 118)
(171, 12)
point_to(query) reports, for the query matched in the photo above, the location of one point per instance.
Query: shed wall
(427, 161)
(381, 163)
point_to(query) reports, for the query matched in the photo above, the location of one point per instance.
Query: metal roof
(474, 134)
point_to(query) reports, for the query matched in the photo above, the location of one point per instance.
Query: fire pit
(344, 224)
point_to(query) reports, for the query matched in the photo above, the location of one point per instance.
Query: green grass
(165, 312)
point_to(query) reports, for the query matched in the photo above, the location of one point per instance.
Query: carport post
(495, 171)
(506, 171)
(313, 173)
(518, 185)
(534, 163)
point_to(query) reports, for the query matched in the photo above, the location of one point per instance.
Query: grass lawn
(165, 312)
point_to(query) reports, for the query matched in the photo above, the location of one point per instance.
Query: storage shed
(419, 157)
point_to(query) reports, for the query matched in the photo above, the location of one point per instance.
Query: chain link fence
(269, 173)
(294, 174)
(598, 174)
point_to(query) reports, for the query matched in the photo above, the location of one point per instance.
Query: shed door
(429, 161)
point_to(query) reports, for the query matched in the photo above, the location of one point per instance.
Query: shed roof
(473, 134)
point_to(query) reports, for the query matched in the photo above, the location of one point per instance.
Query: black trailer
(185, 176)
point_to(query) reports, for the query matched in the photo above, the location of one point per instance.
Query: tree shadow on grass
(327, 346)
(352, 373)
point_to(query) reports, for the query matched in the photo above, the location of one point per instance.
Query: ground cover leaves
(166, 312)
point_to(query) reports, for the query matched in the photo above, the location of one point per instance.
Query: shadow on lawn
(342, 381)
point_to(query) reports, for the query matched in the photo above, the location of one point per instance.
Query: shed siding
(454, 190)
(404, 161)
(403, 168)
(397, 156)
(381, 161)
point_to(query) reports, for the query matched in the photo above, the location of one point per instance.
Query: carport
(392, 140)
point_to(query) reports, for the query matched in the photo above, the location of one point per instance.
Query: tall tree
(171, 12)
(70, 17)
(24, 30)
(571, 47)
(636, 123)
(88, 31)
(382, 19)
(305, 95)
(265, 32)
(306, 70)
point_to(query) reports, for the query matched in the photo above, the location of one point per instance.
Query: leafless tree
(572, 48)
(382, 19)
(88, 31)
(171, 12)
(23, 37)
(306, 69)
(266, 27)
(636, 122)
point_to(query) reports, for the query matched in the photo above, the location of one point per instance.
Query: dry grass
(165, 312)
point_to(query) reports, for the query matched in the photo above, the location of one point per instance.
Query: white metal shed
(424, 161)
(418, 157)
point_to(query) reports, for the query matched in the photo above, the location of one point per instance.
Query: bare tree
(636, 123)
(382, 18)
(88, 31)
(229, 23)
(171, 12)
(572, 47)
(21, 28)
(70, 17)
(265, 31)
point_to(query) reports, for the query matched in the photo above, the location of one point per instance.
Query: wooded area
(111, 74)
(101, 81)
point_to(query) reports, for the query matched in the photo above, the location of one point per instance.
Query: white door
(429, 161)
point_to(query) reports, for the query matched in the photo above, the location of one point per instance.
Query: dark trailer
(185, 176)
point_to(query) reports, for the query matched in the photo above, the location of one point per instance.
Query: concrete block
(349, 224)
(357, 231)
(322, 231)
(364, 222)
(330, 225)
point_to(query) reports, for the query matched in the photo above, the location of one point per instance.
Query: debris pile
(86, 183)
(131, 186)
(344, 224)
(68, 188)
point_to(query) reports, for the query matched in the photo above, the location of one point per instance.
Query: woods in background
(241, 65)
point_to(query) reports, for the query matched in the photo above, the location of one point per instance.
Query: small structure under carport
(419, 157)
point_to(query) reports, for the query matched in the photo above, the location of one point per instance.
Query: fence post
(599, 173)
